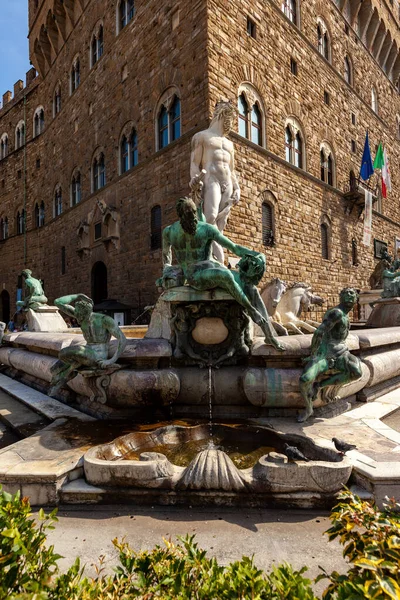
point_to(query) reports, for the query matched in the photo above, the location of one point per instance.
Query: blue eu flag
(367, 168)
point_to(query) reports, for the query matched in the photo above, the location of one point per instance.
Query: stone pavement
(272, 536)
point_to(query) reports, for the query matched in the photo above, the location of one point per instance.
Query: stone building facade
(96, 147)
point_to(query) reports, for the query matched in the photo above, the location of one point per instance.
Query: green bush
(182, 571)
(371, 540)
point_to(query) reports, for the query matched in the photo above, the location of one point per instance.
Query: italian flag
(381, 162)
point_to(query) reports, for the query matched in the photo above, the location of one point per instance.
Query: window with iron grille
(268, 236)
(155, 228)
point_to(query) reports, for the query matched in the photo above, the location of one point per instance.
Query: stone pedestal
(386, 313)
(204, 327)
(366, 298)
(45, 318)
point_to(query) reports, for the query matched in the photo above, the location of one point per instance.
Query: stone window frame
(4, 146)
(325, 227)
(326, 150)
(38, 121)
(291, 10)
(20, 135)
(20, 221)
(166, 102)
(57, 98)
(297, 130)
(57, 201)
(75, 178)
(129, 14)
(39, 213)
(96, 48)
(374, 100)
(128, 132)
(348, 70)
(324, 40)
(253, 98)
(75, 74)
(98, 160)
(4, 231)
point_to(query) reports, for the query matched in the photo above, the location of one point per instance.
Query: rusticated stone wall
(202, 49)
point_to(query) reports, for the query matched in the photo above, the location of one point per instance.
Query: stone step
(48, 407)
(19, 417)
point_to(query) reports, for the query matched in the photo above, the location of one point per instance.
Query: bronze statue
(330, 353)
(97, 330)
(192, 239)
(34, 294)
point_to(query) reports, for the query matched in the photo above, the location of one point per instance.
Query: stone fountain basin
(109, 465)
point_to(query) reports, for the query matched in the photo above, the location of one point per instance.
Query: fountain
(231, 397)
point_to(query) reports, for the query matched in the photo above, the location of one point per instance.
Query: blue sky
(14, 56)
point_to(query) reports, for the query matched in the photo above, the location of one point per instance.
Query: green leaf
(389, 585)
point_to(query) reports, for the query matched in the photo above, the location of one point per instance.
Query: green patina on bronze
(191, 240)
(97, 329)
(329, 352)
(34, 294)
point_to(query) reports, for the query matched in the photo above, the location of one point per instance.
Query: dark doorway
(99, 282)
(5, 307)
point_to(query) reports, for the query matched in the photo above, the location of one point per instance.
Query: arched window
(294, 143)
(126, 12)
(175, 119)
(20, 135)
(156, 229)
(327, 163)
(250, 114)
(268, 237)
(348, 71)
(324, 46)
(133, 149)
(58, 205)
(38, 121)
(75, 74)
(99, 172)
(256, 125)
(57, 100)
(97, 46)
(39, 214)
(169, 121)
(4, 228)
(324, 241)
(76, 189)
(374, 100)
(289, 8)
(124, 154)
(3, 146)
(21, 222)
(243, 111)
(288, 144)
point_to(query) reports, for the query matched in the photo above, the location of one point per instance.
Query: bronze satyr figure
(329, 352)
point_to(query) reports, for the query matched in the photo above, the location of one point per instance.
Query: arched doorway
(99, 282)
(5, 306)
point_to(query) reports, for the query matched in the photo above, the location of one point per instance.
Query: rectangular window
(38, 163)
(63, 262)
(353, 119)
(346, 29)
(251, 28)
(327, 98)
(379, 248)
(293, 66)
(19, 174)
(353, 145)
(97, 231)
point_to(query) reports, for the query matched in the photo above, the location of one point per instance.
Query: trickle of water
(210, 399)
